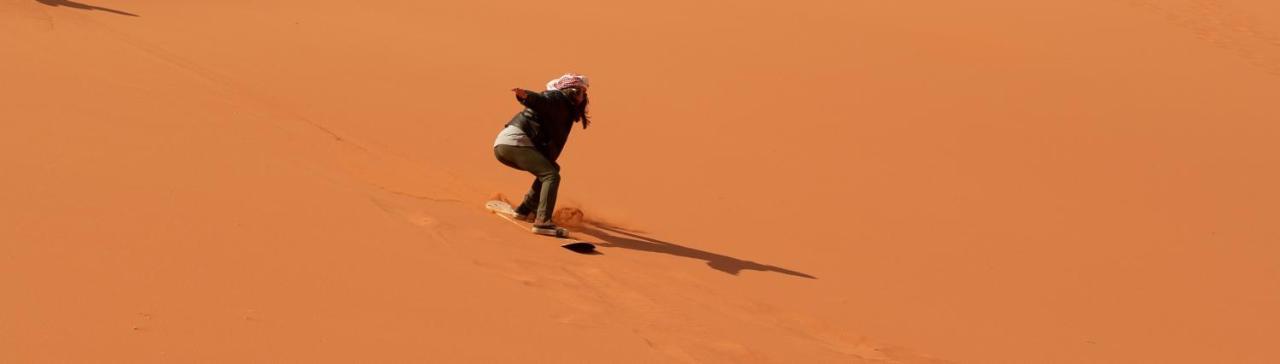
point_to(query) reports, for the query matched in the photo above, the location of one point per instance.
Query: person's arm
(530, 99)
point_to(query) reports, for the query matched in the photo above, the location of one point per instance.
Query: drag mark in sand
(259, 104)
(223, 82)
(25, 15)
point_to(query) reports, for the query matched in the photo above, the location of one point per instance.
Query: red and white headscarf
(569, 80)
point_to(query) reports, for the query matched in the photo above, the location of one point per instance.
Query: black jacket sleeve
(533, 100)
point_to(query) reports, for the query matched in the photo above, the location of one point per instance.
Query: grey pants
(542, 195)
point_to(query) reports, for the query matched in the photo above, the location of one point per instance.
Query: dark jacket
(547, 120)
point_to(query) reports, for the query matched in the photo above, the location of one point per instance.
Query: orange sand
(990, 181)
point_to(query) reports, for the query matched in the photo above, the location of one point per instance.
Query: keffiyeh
(568, 80)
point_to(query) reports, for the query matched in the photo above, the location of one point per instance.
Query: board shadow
(615, 237)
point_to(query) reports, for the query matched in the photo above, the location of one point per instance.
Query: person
(534, 138)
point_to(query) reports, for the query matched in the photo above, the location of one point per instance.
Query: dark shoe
(523, 217)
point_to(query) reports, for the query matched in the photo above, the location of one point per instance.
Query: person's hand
(520, 93)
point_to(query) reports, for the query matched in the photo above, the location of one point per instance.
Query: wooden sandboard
(504, 210)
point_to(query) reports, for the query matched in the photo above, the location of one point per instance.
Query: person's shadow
(615, 237)
(76, 5)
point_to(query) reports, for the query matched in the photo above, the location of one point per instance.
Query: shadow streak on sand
(73, 4)
(614, 237)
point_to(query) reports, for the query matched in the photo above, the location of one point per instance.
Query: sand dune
(814, 181)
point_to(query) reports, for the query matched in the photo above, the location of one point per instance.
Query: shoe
(549, 230)
(524, 217)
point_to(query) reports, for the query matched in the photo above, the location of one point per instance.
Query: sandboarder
(534, 138)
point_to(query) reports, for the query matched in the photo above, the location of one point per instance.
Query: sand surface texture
(989, 181)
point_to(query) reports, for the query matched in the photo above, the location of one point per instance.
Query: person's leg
(507, 155)
(504, 155)
(550, 180)
(530, 202)
(544, 189)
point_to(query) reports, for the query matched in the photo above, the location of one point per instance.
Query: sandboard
(504, 210)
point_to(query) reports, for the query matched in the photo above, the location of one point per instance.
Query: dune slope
(816, 181)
